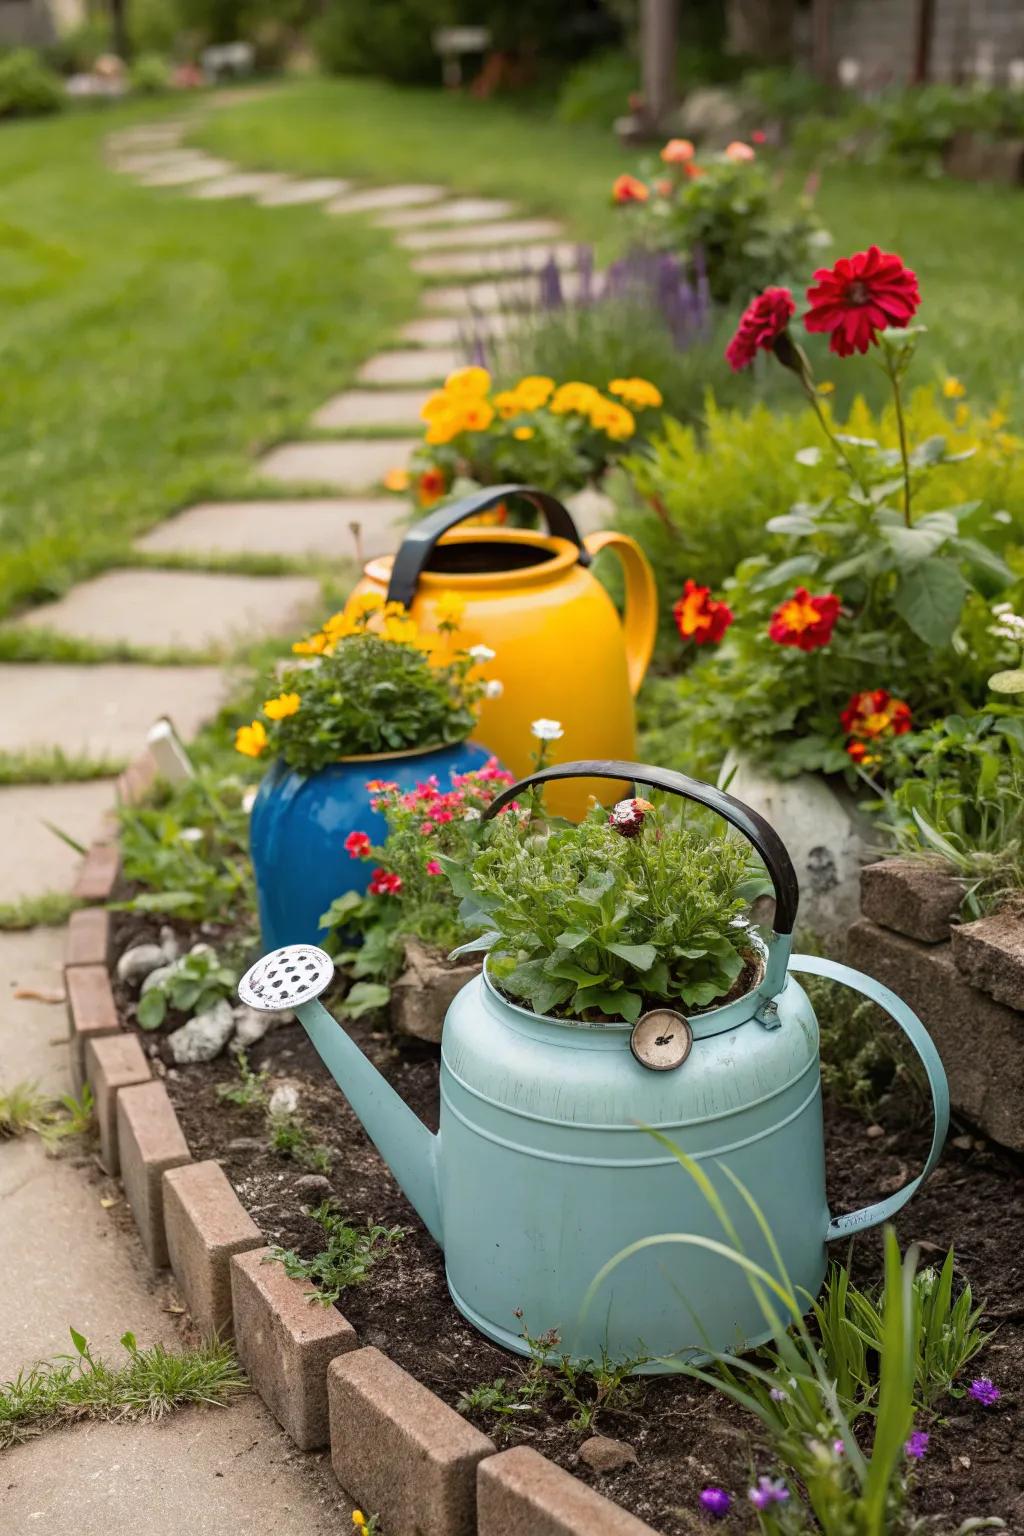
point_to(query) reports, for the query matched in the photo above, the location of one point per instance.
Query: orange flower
(699, 616)
(664, 186)
(431, 486)
(871, 715)
(477, 415)
(739, 151)
(627, 189)
(396, 480)
(251, 740)
(805, 621)
(677, 152)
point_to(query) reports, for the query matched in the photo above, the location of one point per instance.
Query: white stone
(292, 193)
(423, 365)
(494, 261)
(204, 1036)
(251, 1024)
(242, 184)
(284, 1100)
(460, 210)
(376, 198)
(186, 172)
(140, 961)
(169, 943)
(490, 236)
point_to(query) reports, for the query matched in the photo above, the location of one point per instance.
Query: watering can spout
(294, 977)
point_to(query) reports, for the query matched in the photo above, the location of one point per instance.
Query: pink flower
(384, 884)
(434, 868)
(357, 845)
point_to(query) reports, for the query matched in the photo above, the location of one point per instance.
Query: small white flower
(249, 799)
(471, 815)
(481, 653)
(190, 835)
(494, 689)
(547, 730)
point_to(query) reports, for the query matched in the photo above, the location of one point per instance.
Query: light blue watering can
(544, 1169)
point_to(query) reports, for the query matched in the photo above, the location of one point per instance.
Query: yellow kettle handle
(640, 620)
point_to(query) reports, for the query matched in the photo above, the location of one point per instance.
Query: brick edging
(396, 1447)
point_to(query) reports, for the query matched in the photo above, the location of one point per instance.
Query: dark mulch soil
(685, 1435)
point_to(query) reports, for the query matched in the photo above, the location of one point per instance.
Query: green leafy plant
(27, 87)
(189, 985)
(347, 1258)
(189, 850)
(24, 1108)
(291, 1137)
(865, 1061)
(152, 1383)
(373, 685)
(620, 913)
(250, 1092)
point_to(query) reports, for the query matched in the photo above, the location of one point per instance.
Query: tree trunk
(658, 22)
(119, 28)
(761, 29)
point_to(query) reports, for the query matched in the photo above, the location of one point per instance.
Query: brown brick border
(316, 1358)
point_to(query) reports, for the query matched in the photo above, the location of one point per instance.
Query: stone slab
(424, 365)
(150, 1140)
(205, 1471)
(298, 528)
(489, 236)
(372, 408)
(185, 173)
(35, 860)
(98, 872)
(113, 1062)
(155, 158)
(205, 1224)
(87, 939)
(190, 609)
(241, 184)
(147, 134)
(911, 897)
(486, 296)
(491, 262)
(91, 1014)
(981, 1042)
(286, 1342)
(293, 193)
(102, 711)
(400, 1450)
(990, 953)
(373, 199)
(522, 1493)
(33, 1033)
(458, 210)
(353, 465)
(434, 331)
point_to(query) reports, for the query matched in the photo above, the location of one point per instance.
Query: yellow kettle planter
(563, 653)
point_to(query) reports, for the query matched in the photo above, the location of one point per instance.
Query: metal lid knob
(287, 977)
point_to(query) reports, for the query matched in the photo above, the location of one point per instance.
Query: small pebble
(963, 1143)
(874, 1131)
(245, 1144)
(313, 1184)
(602, 1454)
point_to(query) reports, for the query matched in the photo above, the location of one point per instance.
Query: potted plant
(371, 702)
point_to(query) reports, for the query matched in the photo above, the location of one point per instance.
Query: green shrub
(390, 38)
(150, 75)
(598, 89)
(788, 95)
(27, 87)
(155, 26)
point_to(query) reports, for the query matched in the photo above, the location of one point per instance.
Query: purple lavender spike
(550, 285)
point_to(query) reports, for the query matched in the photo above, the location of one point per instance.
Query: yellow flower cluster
(461, 406)
(638, 393)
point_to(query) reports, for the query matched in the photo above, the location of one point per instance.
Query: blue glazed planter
(300, 822)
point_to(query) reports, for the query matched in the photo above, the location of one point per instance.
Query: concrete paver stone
(374, 198)
(102, 710)
(459, 210)
(486, 295)
(294, 193)
(35, 860)
(352, 465)
(301, 527)
(489, 236)
(372, 408)
(241, 184)
(190, 609)
(510, 261)
(33, 1033)
(425, 365)
(113, 1062)
(182, 174)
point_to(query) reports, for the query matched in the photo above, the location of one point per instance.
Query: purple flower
(917, 1445)
(778, 1396)
(769, 1490)
(716, 1501)
(839, 1449)
(984, 1391)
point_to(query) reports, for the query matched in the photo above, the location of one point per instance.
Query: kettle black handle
(759, 833)
(418, 544)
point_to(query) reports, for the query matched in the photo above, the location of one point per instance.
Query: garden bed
(684, 1435)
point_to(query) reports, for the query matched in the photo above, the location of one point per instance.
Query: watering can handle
(758, 832)
(418, 544)
(921, 1040)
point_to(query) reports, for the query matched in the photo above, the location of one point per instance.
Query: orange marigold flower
(805, 621)
(871, 715)
(699, 616)
(628, 189)
(396, 480)
(315, 645)
(251, 740)
(677, 152)
(477, 415)
(431, 486)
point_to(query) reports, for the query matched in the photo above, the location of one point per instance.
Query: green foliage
(590, 1388)
(25, 1108)
(788, 94)
(190, 850)
(52, 765)
(390, 38)
(347, 1258)
(593, 923)
(250, 1092)
(149, 74)
(370, 693)
(152, 1383)
(289, 1136)
(957, 800)
(27, 87)
(865, 1061)
(911, 130)
(192, 985)
(597, 90)
(50, 910)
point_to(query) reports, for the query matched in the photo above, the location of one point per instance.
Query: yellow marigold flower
(362, 604)
(437, 404)
(962, 415)
(613, 419)
(358, 1518)
(507, 403)
(396, 480)
(401, 631)
(535, 390)
(638, 393)
(477, 415)
(574, 397)
(997, 419)
(284, 705)
(395, 610)
(449, 609)
(523, 433)
(313, 645)
(826, 387)
(340, 625)
(251, 740)
(443, 428)
(953, 389)
(474, 382)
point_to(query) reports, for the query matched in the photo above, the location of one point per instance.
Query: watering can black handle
(418, 544)
(759, 833)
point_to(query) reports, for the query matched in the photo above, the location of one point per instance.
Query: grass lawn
(965, 241)
(152, 344)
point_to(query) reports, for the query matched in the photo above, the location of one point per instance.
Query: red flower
(871, 715)
(627, 189)
(383, 884)
(762, 323)
(431, 486)
(805, 621)
(859, 297)
(699, 616)
(433, 867)
(357, 845)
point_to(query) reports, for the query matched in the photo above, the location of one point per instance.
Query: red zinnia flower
(699, 616)
(762, 323)
(434, 868)
(871, 715)
(357, 845)
(860, 296)
(383, 884)
(431, 486)
(627, 189)
(805, 621)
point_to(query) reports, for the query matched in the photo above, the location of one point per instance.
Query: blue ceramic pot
(300, 822)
